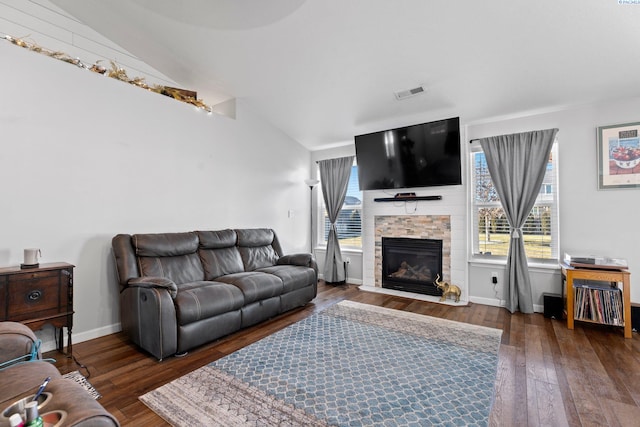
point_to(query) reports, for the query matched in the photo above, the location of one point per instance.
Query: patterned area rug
(84, 382)
(350, 365)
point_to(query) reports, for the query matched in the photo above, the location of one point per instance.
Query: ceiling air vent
(403, 94)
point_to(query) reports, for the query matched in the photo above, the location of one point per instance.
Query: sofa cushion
(256, 249)
(24, 378)
(255, 236)
(219, 254)
(255, 285)
(170, 255)
(258, 257)
(179, 269)
(293, 277)
(17, 342)
(218, 262)
(165, 244)
(203, 299)
(217, 239)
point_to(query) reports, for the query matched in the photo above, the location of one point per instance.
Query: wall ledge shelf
(406, 199)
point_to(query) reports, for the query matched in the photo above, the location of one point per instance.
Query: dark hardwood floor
(547, 374)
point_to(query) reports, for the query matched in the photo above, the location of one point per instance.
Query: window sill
(551, 265)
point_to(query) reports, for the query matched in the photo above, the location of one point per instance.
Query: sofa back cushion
(219, 253)
(170, 255)
(256, 248)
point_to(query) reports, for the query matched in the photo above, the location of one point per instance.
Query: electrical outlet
(494, 277)
(347, 260)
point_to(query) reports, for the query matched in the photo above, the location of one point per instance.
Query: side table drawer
(37, 294)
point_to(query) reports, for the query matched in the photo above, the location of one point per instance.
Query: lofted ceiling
(325, 70)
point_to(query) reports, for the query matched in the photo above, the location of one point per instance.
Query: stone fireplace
(419, 227)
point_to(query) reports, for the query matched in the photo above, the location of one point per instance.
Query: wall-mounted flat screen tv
(423, 155)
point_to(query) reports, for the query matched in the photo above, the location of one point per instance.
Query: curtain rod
(471, 141)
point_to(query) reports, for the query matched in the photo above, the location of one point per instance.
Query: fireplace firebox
(411, 265)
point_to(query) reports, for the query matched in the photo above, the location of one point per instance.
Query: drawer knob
(34, 295)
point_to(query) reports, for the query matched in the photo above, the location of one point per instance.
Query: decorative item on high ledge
(116, 72)
(619, 156)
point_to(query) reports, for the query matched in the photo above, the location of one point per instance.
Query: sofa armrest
(16, 341)
(81, 408)
(303, 259)
(155, 282)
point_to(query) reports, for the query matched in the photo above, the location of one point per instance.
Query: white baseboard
(349, 280)
(501, 303)
(49, 341)
(419, 297)
(488, 301)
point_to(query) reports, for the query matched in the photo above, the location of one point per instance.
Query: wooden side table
(38, 296)
(570, 274)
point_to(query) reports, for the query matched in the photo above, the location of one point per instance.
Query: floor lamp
(311, 183)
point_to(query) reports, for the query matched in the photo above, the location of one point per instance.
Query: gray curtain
(517, 164)
(334, 176)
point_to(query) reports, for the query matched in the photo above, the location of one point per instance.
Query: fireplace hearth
(411, 265)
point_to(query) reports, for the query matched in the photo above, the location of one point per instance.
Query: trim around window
(349, 221)
(490, 231)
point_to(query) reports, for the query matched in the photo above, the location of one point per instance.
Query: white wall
(45, 24)
(592, 221)
(85, 157)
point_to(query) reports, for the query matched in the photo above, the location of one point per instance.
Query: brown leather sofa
(182, 290)
(65, 398)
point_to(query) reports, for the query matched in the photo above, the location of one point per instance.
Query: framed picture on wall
(619, 156)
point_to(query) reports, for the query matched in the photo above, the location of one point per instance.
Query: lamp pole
(311, 183)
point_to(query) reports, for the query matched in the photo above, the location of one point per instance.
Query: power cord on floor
(346, 272)
(81, 366)
(73, 357)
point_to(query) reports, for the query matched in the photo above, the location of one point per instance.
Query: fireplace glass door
(411, 265)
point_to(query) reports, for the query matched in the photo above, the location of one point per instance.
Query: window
(490, 227)
(349, 223)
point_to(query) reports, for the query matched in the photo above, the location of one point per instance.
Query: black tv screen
(423, 155)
